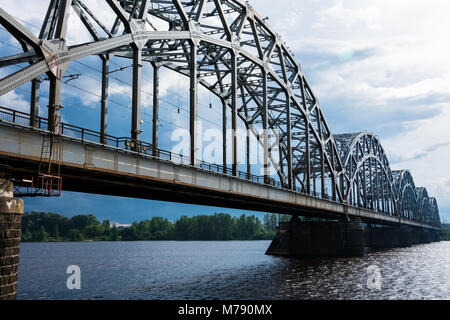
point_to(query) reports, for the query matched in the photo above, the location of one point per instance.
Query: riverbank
(53, 227)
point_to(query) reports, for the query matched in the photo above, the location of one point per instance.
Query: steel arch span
(368, 180)
(408, 205)
(228, 48)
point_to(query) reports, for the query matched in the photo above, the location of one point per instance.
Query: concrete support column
(415, 237)
(11, 211)
(382, 237)
(426, 236)
(319, 239)
(389, 237)
(404, 236)
(435, 236)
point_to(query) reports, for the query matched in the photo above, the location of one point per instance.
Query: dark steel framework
(228, 48)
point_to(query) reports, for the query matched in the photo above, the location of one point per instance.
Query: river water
(228, 270)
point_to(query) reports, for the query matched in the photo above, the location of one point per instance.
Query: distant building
(120, 225)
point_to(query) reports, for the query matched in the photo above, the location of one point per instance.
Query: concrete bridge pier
(402, 236)
(318, 238)
(425, 236)
(435, 236)
(389, 237)
(416, 237)
(11, 211)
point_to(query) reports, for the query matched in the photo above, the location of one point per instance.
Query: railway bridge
(339, 189)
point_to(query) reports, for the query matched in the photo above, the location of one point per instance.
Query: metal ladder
(48, 183)
(50, 152)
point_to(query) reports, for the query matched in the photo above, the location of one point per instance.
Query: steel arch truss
(368, 180)
(435, 218)
(408, 204)
(228, 48)
(424, 204)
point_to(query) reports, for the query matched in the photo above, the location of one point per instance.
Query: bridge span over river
(342, 184)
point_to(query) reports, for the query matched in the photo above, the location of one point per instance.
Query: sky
(378, 66)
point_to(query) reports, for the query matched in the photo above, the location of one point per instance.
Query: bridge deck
(91, 167)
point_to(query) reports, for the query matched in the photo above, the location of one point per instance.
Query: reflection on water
(227, 270)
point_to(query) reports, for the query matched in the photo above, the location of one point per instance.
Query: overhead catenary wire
(179, 108)
(121, 68)
(96, 95)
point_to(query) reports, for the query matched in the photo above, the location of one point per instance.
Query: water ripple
(227, 270)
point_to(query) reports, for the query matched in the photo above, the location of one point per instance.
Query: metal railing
(18, 118)
(126, 143)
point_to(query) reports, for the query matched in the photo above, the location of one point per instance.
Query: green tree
(114, 234)
(183, 229)
(446, 232)
(75, 235)
(41, 235)
(219, 226)
(94, 231)
(129, 234)
(27, 236)
(270, 223)
(55, 233)
(80, 222)
(161, 229)
(143, 230)
(284, 218)
(224, 226)
(35, 220)
(106, 224)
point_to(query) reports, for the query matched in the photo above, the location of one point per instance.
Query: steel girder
(407, 195)
(424, 204)
(370, 183)
(435, 218)
(227, 47)
(368, 180)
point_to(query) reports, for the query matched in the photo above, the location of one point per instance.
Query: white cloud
(386, 58)
(424, 148)
(16, 101)
(349, 17)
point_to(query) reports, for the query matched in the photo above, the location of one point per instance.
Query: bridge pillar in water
(389, 237)
(416, 236)
(318, 238)
(426, 236)
(435, 236)
(11, 211)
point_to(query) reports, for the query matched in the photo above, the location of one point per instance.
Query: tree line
(42, 227)
(446, 232)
